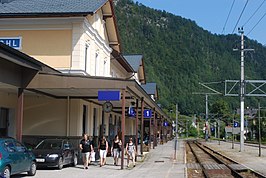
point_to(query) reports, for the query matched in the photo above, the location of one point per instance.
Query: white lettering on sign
(147, 113)
(14, 42)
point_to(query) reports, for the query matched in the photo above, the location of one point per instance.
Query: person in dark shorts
(86, 149)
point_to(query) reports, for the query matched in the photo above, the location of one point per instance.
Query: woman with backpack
(130, 151)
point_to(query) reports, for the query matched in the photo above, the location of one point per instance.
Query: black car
(55, 153)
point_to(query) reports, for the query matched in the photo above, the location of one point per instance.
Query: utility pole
(186, 128)
(259, 133)
(215, 130)
(233, 136)
(206, 121)
(242, 87)
(176, 120)
(206, 104)
(219, 131)
(242, 91)
(176, 130)
(213, 92)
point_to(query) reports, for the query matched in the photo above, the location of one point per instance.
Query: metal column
(150, 133)
(123, 126)
(19, 120)
(142, 126)
(154, 131)
(137, 127)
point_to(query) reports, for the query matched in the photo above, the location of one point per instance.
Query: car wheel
(32, 170)
(6, 172)
(75, 161)
(60, 163)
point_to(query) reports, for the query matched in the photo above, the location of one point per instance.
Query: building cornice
(98, 39)
(63, 23)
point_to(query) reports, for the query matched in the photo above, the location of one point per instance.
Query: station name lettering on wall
(14, 42)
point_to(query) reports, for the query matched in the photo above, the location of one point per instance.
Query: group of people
(88, 154)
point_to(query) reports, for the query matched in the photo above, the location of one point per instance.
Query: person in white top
(130, 151)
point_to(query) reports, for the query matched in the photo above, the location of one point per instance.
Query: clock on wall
(107, 106)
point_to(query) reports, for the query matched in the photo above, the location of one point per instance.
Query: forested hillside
(179, 54)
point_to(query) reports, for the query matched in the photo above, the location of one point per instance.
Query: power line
(240, 16)
(254, 13)
(229, 15)
(256, 23)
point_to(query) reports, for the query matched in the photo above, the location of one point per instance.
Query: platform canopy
(86, 87)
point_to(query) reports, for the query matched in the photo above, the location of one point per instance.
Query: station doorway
(4, 122)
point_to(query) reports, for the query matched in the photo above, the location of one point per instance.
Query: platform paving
(249, 157)
(157, 163)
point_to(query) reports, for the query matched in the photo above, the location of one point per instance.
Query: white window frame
(87, 57)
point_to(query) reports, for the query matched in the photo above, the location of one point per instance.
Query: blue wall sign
(131, 112)
(108, 95)
(14, 42)
(236, 124)
(147, 113)
(166, 124)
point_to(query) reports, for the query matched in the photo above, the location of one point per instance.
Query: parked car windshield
(49, 144)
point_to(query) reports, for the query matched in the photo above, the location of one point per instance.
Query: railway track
(202, 161)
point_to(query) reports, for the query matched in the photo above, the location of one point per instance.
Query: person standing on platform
(116, 148)
(103, 148)
(86, 148)
(130, 151)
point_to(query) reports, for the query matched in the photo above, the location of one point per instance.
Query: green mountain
(179, 54)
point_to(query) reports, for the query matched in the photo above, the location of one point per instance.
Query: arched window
(87, 57)
(105, 66)
(96, 62)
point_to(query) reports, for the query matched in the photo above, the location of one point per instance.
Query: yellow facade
(52, 117)
(77, 44)
(52, 47)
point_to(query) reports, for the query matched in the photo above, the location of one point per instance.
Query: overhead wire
(240, 16)
(229, 15)
(254, 13)
(257, 23)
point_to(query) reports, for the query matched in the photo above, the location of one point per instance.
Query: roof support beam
(123, 126)
(137, 128)
(142, 126)
(19, 121)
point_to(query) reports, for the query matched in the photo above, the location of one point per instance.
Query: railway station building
(63, 73)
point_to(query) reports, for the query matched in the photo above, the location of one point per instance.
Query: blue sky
(212, 14)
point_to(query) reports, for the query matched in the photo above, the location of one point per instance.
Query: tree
(178, 54)
(221, 109)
